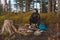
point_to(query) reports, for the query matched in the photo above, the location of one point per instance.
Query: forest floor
(43, 36)
(30, 37)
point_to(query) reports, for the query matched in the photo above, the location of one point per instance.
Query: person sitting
(34, 18)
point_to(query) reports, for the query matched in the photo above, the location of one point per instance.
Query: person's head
(35, 11)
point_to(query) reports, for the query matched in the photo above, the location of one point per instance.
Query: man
(35, 17)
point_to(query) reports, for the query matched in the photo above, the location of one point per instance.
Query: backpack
(42, 26)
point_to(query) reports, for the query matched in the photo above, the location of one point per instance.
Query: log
(24, 31)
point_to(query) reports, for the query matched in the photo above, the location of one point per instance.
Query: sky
(2, 1)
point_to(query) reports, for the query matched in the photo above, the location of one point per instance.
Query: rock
(38, 32)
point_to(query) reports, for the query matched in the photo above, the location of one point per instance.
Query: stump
(7, 26)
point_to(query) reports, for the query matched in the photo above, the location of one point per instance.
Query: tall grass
(22, 18)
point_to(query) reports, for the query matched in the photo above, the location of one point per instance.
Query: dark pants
(35, 22)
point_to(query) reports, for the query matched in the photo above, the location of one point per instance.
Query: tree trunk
(53, 6)
(9, 5)
(1, 8)
(58, 6)
(5, 5)
(27, 6)
(44, 10)
(21, 5)
(49, 6)
(41, 6)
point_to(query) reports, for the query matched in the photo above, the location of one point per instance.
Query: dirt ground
(43, 36)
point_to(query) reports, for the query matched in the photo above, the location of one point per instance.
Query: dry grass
(23, 18)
